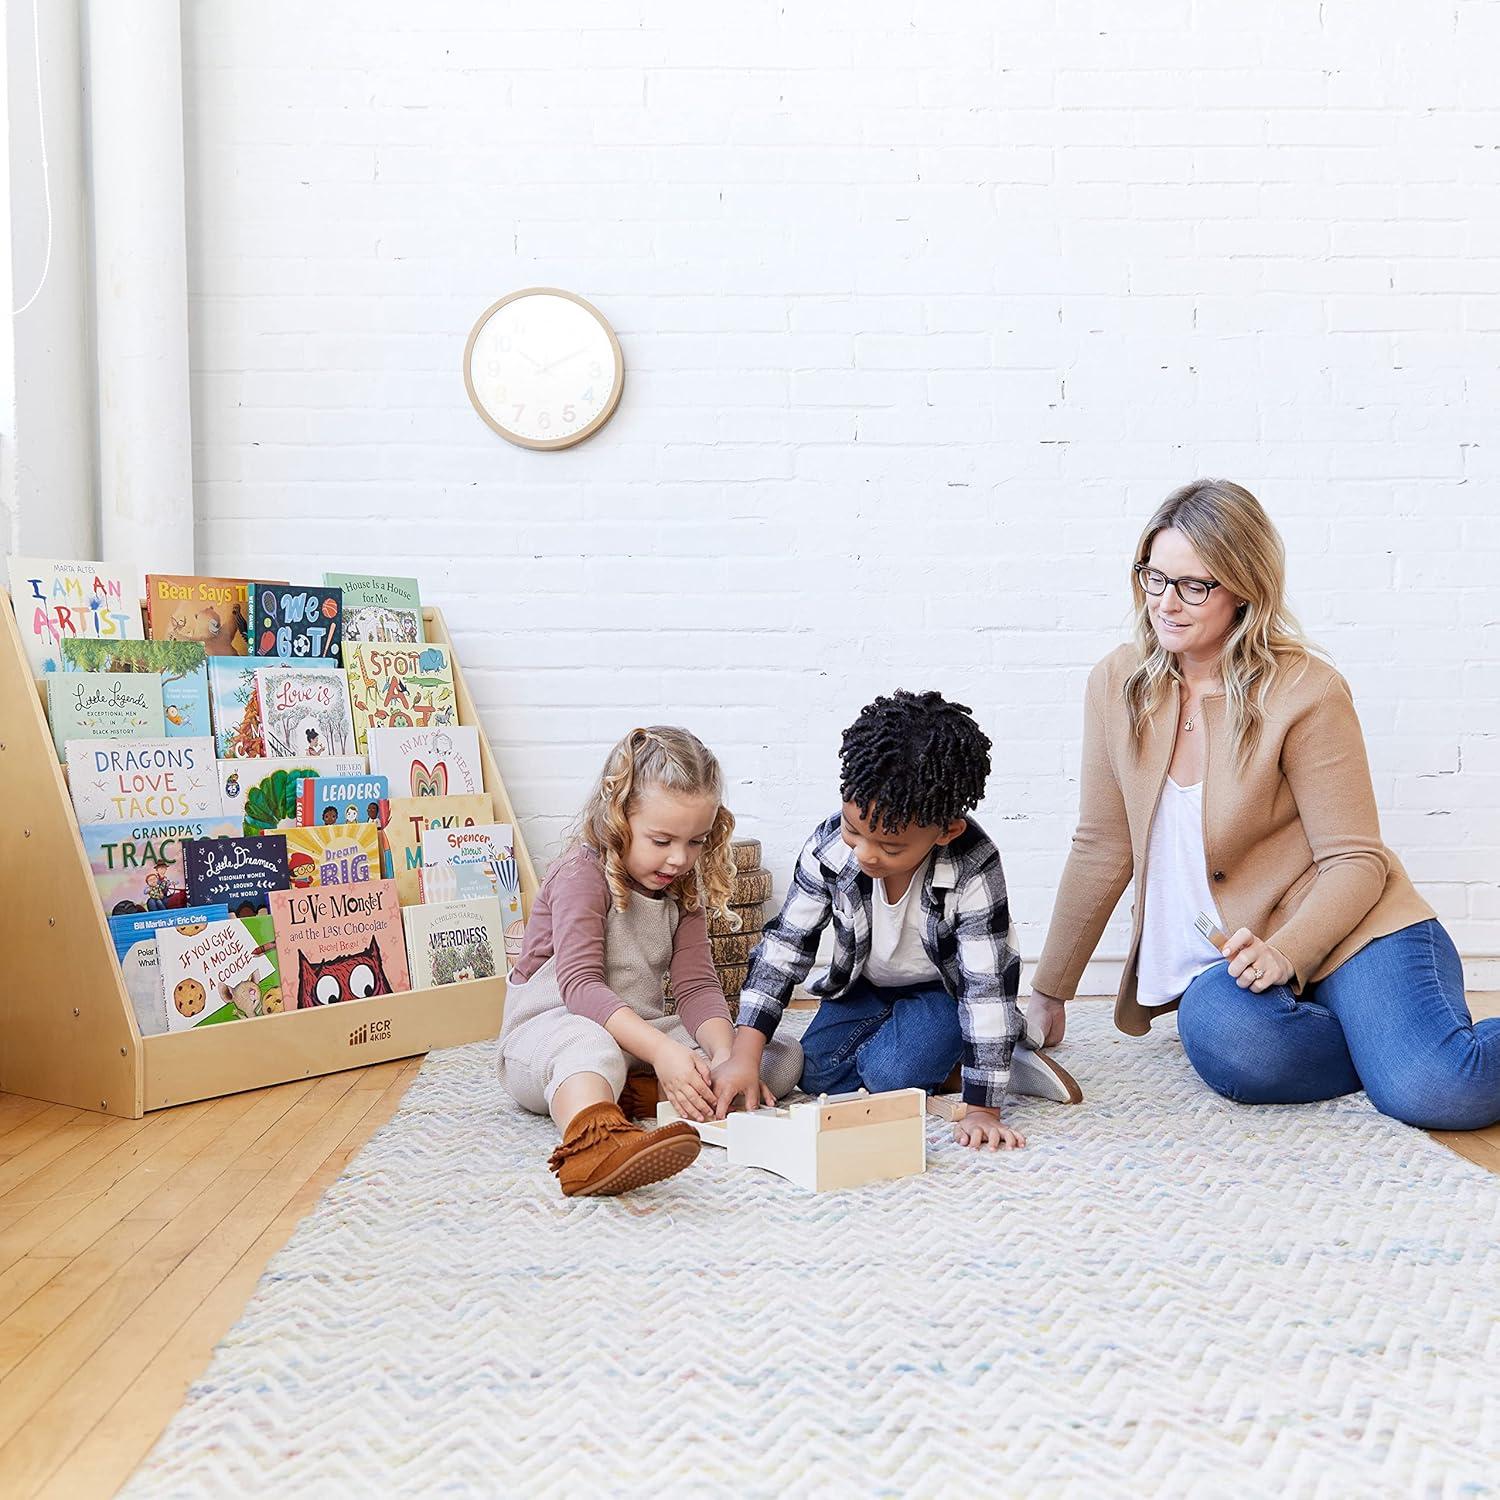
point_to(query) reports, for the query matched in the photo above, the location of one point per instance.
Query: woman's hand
(1046, 1020)
(685, 1080)
(981, 1127)
(1254, 964)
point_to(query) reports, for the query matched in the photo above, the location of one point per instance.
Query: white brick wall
(923, 308)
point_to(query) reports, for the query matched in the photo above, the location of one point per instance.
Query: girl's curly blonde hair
(661, 755)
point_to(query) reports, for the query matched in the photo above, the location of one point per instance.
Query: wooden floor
(128, 1248)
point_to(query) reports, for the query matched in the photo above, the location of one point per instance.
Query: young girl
(622, 910)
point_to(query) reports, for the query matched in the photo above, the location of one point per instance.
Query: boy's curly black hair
(913, 758)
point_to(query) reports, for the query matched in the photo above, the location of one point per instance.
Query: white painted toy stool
(833, 1141)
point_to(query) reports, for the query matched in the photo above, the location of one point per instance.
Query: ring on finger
(1257, 974)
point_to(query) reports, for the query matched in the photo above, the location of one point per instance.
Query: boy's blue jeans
(906, 1038)
(1392, 1021)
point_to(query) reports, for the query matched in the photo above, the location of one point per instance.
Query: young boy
(925, 968)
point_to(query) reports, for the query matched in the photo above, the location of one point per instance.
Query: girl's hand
(685, 1080)
(982, 1127)
(1254, 964)
(734, 1079)
(1046, 1020)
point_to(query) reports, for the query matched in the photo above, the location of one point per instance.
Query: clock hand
(551, 365)
(529, 360)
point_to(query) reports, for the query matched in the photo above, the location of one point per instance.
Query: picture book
(134, 937)
(304, 711)
(236, 709)
(299, 622)
(474, 844)
(138, 867)
(490, 879)
(241, 872)
(427, 762)
(221, 971)
(399, 687)
(103, 706)
(263, 792)
(360, 799)
(377, 608)
(452, 941)
(181, 667)
(340, 942)
(119, 781)
(341, 854)
(410, 818)
(211, 611)
(56, 600)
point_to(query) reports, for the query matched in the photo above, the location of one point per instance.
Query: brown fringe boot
(602, 1153)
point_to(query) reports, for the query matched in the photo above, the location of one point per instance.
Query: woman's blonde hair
(1232, 533)
(661, 755)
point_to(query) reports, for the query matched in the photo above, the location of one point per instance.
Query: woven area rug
(1164, 1294)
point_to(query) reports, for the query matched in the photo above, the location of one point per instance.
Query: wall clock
(544, 368)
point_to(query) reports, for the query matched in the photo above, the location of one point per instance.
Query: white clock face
(543, 369)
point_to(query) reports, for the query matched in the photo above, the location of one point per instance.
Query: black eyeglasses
(1189, 590)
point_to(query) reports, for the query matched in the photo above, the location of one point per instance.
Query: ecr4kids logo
(371, 1031)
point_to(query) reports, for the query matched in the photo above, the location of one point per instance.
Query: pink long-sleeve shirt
(568, 920)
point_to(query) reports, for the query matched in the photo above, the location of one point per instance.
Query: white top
(896, 953)
(1173, 953)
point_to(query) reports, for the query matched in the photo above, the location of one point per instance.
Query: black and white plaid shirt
(966, 932)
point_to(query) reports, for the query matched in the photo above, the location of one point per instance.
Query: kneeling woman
(1224, 770)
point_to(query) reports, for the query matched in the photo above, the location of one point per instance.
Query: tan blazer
(1291, 844)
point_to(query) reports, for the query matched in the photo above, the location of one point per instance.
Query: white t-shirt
(1173, 953)
(897, 956)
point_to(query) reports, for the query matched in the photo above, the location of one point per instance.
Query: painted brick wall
(923, 308)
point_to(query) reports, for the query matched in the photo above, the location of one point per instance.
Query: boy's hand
(738, 1077)
(686, 1081)
(981, 1127)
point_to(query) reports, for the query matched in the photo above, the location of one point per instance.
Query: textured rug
(1163, 1294)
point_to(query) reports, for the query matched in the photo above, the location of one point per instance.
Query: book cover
(120, 781)
(454, 941)
(297, 622)
(360, 799)
(236, 708)
(490, 879)
(410, 818)
(137, 867)
(263, 792)
(305, 711)
(338, 854)
(56, 600)
(134, 937)
(103, 706)
(340, 942)
(181, 667)
(427, 762)
(379, 608)
(222, 971)
(477, 843)
(241, 872)
(211, 611)
(399, 687)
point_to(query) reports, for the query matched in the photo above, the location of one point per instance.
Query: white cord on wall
(41, 130)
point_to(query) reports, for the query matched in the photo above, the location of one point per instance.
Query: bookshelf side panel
(67, 1030)
(505, 812)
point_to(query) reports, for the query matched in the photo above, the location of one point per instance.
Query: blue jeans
(906, 1038)
(1392, 1020)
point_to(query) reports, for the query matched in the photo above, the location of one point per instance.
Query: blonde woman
(1224, 771)
(621, 911)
